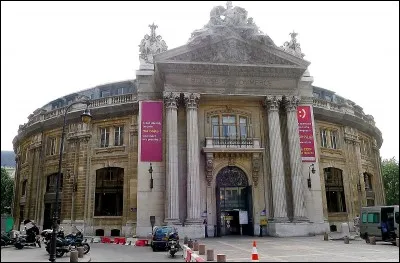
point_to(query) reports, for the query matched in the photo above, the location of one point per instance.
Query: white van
(374, 217)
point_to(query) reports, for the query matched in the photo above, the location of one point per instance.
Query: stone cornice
(221, 69)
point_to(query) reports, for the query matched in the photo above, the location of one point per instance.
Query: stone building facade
(231, 144)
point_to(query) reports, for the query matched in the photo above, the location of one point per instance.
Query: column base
(296, 229)
(300, 219)
(172, 221)
(193, 221)
(280, 220)
(192, 231)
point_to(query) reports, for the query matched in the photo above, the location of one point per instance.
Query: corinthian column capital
(191, 100)
(291, 103)
(272, 102)
(171, 99)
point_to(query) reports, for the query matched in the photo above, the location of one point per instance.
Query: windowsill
(107, 217)
(110, 149)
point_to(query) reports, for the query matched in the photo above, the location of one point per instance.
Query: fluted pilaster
(193, 159)
(295, 159)
(275, 147)
(171, 101)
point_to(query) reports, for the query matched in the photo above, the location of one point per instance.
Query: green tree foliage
(390, 173)
(7, 189)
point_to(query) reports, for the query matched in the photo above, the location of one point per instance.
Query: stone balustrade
(97, 103)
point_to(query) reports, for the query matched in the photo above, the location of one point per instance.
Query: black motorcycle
(65, 244)
(7, 239)
(31, 238)
(173, 243)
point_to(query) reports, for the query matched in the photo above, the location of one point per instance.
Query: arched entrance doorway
(233, 197)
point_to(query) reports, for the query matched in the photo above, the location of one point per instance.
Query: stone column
(171, 100)
(193, 159)
(295, 159)
(275, 148)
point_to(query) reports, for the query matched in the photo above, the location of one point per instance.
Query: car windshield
(164, 230)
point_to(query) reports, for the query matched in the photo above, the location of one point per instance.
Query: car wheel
(59, 253)
(366, 238)
(154, 249)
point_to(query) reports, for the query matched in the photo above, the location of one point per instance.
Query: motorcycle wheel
(19, 246)
(39, 244)
(86, 248)
(172, 253)
(59, 253)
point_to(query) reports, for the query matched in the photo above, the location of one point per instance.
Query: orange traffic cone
(254, 253)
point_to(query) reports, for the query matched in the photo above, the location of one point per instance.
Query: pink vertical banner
(306, 133)
(151, 131)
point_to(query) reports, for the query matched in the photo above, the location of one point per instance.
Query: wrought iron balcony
(230, 136)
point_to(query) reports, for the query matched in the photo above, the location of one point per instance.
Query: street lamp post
(86, 117)
(151, 176)
(312, 170)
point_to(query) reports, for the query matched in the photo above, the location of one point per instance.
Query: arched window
(52, 183)
(109, 191)
(335, 197)
(368, 181)
(23, 190)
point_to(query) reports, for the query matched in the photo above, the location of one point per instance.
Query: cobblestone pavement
(98, 253)
(310, 249)
(270, 249)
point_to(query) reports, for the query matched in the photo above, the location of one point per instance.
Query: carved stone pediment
(232, 51)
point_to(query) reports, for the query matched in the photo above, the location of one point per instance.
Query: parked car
(160, 237)
(382, 222)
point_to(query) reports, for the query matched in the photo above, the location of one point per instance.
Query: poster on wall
(151, 131)
(243, 218)
(306, 133)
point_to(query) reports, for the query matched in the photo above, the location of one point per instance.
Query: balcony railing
(97, 103)
(231, 136)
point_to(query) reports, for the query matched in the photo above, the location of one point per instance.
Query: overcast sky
(51, 49)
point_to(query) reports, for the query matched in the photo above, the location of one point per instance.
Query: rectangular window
(105, 93)
(215, 126)
(373, 217)
(51, 146)
(364, 217)
(323, 138)
(229, 126)
(370, 202)
(243, 127)
(119, 136)
(105, 137)
(334, 137)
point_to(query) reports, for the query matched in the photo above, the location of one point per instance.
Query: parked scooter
(31, 238)
(65, 244)
(173, 243)
(8, 238)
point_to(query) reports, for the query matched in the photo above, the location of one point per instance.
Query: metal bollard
(346, 240)
(73, 256)
(185, 240)
(397, 242)
(190, 243)
(221, 258)
(196, 246)
(372, 240)
(202, 249)
(210, 254)
(80, 252)
(326, 238)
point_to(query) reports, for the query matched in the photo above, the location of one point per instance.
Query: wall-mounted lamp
(151, 176)
(310, 170)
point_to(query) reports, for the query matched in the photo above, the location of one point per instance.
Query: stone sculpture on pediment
(292, 47)
(229, 21)
(150, 46)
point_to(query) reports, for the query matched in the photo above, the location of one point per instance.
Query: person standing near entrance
(205, 227)
(357, 224)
